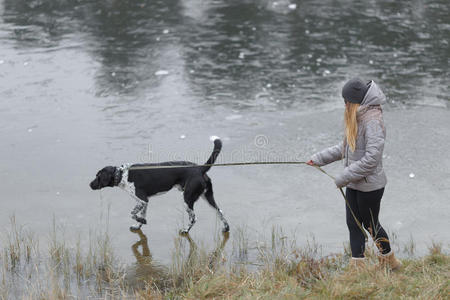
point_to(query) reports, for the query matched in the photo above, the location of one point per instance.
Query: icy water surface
(84, 84)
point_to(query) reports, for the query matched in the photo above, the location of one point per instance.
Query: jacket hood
(374, 96)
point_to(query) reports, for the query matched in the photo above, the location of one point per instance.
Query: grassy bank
(89, 268)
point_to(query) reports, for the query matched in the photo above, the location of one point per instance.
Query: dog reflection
(146, 270)
(215, 258)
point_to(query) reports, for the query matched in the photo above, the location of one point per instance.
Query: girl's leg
(357, 240)
(369, 208)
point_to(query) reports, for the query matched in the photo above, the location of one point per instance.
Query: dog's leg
(210, 198)
(141, 207)
(138, 207)
(143, 212)
(226, 226)
(192, 219)
(193, 190)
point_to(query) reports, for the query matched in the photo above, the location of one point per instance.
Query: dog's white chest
(125, 184)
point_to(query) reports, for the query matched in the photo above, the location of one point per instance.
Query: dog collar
(117, 176)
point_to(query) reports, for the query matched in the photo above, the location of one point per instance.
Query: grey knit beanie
(354, 90)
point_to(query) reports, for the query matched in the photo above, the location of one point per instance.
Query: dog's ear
(109, 170)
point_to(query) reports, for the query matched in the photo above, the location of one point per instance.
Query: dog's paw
(226, 228)
(135, 227)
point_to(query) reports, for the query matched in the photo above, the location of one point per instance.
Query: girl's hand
(311, 163)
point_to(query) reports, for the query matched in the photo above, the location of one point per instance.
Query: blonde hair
(351, 124)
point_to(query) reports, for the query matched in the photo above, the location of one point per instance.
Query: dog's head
(105, 177)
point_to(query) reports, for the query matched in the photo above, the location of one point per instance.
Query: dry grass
(60, 271)
(90, 269)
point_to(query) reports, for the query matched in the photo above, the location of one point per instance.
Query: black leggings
(365, 206)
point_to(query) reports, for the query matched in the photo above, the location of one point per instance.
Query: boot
(357, 264)
(389, 261)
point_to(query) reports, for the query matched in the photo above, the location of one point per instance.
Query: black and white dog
(144, 183)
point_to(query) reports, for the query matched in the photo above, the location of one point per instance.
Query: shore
(89, 268)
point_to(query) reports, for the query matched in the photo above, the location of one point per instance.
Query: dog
(142, 183)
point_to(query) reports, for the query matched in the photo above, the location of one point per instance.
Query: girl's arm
(368, 163)
(328, 155)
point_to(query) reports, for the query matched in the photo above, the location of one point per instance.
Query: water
(84, 84)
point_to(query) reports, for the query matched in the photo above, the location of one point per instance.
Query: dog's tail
(214, 154)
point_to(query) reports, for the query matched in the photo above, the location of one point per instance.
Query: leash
(218, 165)
(346, 202)
(256, 163)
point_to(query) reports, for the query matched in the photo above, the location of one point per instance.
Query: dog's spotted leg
(192, 220)
(209, 196)
(140, 206)
(143, 212)
(226, 227)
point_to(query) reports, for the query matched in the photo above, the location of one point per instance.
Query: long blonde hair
(351, 124)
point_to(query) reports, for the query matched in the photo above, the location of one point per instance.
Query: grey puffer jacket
(363, 167)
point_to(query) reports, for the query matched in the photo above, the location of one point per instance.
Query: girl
(363, 176)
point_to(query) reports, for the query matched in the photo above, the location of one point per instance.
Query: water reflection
(127, 39)
(146, 269)
(248, 53)
(88, 83)
(214, 258)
